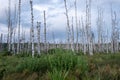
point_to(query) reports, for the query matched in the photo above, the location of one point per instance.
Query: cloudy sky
(55, 15)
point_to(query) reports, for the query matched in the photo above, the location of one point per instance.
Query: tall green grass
(60, 64)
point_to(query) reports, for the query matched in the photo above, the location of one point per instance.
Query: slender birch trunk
(1, 41)
(45, 41)
(38, 36)
(68, 25)
(53, 36)
(107, 44)
(19, 22)
(14, 30)
(30, 42)
(9, 25)
(115, 32)
(72, 36)
(13, 45)
(77, 32)
(84, 37)
(88, 27)
(80, 36)
(10, 36)
(99, 27)
(32, 27)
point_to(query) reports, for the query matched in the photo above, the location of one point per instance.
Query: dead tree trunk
(19, 22)
(88, 27)
(68, 25)
(115, 33)
(30, 42)
(99, 27)
(80, 36)
(45, 40)
(72, 36)
(1, 41)
(32, 28)
(14, 31)
(9, 26)
(11, 33)
(38, 36)
(13, 45)
(84, 37)
(53, 36)
(77, 32)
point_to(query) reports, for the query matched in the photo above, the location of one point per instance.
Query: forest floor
(60, 65)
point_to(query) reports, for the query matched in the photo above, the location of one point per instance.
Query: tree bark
(38, 36)
(68, 25)
(32, 28)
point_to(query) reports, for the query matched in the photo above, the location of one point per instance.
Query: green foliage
(33, 65)
(61, 65)
(58, 75)
(24, 54)
(5, 53)
(62, 61)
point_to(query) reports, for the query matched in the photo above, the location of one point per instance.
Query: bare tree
(100, 27)
(115, 32)
(19, 22)
(9, 25)
(88, 27)
(68, 25)
(53, 35)
(14, 29)
(84, 36)
(11, 33)
(30, 42)
(38, 36)
(72, 36)
(1, 41)
(32, 27)
(13, 44)
(77, 32)
(45, 40)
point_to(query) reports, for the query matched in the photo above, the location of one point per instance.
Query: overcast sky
(56, 19)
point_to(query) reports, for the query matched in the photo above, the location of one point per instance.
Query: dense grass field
(59, 64)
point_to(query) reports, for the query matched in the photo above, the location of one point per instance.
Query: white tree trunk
(19, 14)
(72, 36)
(32, 28)
(9, 25)
(45, 40)
(68, 26)
(77, 32)
(88, 27)
(38, 36)
(1, 41)
(100, 30)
